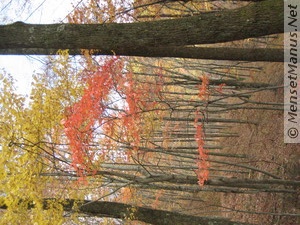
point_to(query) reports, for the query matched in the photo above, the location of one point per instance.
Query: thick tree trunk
(148, 215)
(232, 54)
(254, 20)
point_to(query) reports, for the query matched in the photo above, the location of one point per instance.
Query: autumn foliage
(122, 123)
(202, 163)
(203, 88)
(94, 109)
(202, 160)
(84, 114)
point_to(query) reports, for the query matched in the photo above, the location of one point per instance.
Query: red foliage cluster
(92, 109)
(202, 163)
(220, 87)
(82, 116)
(203, 88)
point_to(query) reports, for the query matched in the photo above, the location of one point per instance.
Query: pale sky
(40, 11)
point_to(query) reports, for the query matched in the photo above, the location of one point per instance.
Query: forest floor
(264, 145)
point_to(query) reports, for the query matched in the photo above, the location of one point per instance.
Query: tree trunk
(254, 20)
(232, 54)
(148, 215)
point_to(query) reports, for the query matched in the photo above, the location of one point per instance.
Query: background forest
(178, 137)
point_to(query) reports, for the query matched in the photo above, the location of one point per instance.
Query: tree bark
(255, 20)
(230, 54)
(148, 215)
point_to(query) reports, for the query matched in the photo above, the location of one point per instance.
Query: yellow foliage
(30, 142)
